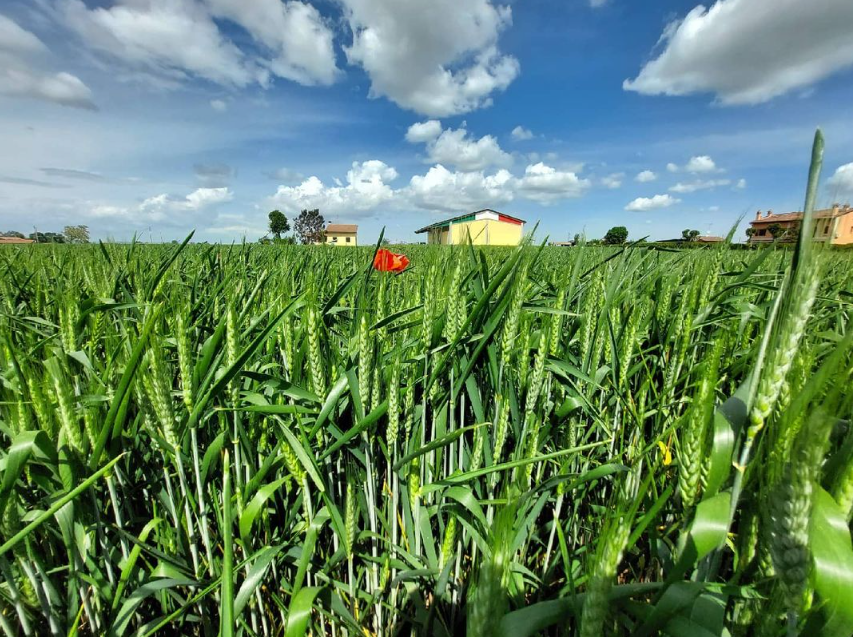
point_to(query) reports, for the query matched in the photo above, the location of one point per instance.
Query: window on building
(826, 228)
(761, 232)
(348, 239)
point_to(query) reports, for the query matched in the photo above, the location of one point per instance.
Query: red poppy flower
(387, 261)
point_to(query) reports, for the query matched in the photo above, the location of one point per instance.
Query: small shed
(483, 228)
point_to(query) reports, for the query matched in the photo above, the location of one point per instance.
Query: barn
(483, 228)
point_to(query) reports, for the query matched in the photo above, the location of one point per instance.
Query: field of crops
(270, 440)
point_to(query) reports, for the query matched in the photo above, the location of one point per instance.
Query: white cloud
(446, 191)
(645, 176)
(455, 147)
(219, 105)
(842, 180)
(437, 58)
(741, 184)
(520, 133)
(179, 38)
(701, 164)
(546, 184)
(613, 181)
(204, 197)
(641, 204)
(699, 185)
(366, 189)
(442, 190)
(697, 164)
(21, 75)
(750, 51)
(293, 31)
(423, 131)
(597, 4)
(163, 207)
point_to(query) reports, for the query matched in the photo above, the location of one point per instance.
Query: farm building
(341, 234)
(832, 225)
(484, 228)
(14, 240)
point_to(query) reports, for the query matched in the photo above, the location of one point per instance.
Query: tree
(689, 235)
(76, 234)
(616, 235)
(278, 223)
(577, 240)
(13, 233)
(309, 226)
(47, 237)
(750, 232)
(776, 230)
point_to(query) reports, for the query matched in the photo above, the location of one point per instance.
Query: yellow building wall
(843, 230)
(342, 239)
(438, 236)
(487, 232)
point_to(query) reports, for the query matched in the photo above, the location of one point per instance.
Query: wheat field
(279, 440)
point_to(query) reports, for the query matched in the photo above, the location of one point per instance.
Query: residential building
(709, 239)
(831, 225)
(483, 228)
(341, 234)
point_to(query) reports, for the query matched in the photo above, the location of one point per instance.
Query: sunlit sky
(156, 117)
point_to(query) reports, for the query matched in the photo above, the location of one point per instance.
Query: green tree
(309, 226)
(689, 235)
(13, 233)
(776, 230)
(76, 234)
(278, 223)
(616, 235)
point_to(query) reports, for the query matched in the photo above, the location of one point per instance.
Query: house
(833, 225)
(709, 239)
(13, 240)
(341, 234)
(483, 228)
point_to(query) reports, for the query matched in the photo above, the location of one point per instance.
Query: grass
(271, 440)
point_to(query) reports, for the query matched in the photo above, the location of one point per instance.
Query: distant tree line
(70, 234)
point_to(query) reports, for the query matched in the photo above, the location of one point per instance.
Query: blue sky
(161, 116)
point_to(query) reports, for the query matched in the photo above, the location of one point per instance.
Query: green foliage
(309, 226)
(278, 223)
(616, 235)
(76, 234)
(276, 439)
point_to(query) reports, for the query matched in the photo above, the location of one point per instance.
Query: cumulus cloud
(437, 58)
(750, 51)
(442, 190)
(456, 147)
(545, 184)
(697, 164)
(613, 181)
(519, 133)
(741, 184)
(180, 38)
(367, 188)
(699, 184)
(423, 131)
(641, 204)
(842, 180)
(219, 105)
(645, 176)
(22, 75)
